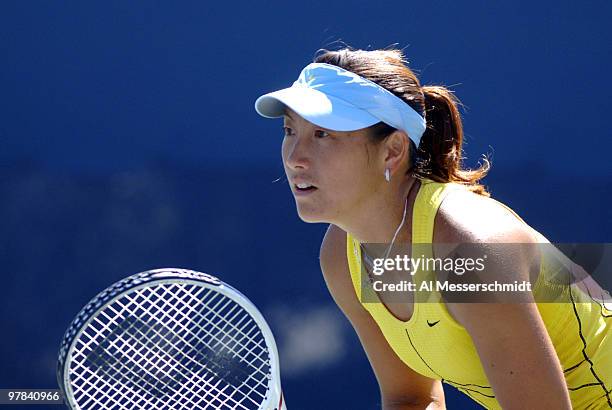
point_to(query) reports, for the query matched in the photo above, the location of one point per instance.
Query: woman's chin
(310, 216)
(310, 219)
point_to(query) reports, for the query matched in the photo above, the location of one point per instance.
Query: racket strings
(252, 345)
(205, 318)
(184, 344)
(160, 378)
(227, 336)
(122, 367)
(162, 368)
(166, 312)
(94, 392)
(253, 348)
(215, 311)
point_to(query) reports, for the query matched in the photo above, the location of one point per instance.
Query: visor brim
(316, 107)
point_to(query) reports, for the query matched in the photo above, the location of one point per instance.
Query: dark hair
(439, 154)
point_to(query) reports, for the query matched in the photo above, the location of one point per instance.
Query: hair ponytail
(439, 154)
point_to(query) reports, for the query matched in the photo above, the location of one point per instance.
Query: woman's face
(331, 173)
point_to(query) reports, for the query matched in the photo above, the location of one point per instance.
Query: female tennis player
(377, 156)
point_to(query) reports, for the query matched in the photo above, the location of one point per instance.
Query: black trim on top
(584, 346)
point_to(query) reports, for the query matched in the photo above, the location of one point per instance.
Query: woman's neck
(378, 220)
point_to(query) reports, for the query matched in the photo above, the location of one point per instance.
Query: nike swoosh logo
(432, 324)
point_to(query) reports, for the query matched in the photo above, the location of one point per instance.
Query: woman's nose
(299, 152)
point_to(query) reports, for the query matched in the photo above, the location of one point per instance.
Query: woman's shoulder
(332, 255)
(334, 241)
(335, 269)
(464, 216)
(489, 226)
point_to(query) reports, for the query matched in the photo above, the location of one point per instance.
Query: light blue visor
(340, 100)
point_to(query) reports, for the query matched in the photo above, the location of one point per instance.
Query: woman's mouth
(302, 189)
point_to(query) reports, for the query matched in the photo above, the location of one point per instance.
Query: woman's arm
(401, 387)
(513, 344)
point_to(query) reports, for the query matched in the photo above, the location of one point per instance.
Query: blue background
(128, 141)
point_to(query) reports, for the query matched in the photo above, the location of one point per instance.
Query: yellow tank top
(579, 326)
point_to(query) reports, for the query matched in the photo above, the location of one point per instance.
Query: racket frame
(274, 398)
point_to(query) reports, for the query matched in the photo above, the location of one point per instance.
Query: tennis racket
(170, 339)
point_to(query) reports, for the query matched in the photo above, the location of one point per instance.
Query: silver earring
(387, 175)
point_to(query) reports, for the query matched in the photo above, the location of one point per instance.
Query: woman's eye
(287, 131)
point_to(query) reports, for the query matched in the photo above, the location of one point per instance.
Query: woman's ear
(396, 150)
